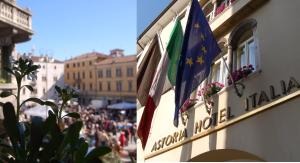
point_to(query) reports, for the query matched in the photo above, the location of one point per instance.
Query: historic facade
(259, 122)
(49, 74)
(15, 24)
(116, 78)
(80, 73)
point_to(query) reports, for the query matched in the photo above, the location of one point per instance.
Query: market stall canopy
(122, 105)
(99, 103)
(40, 111)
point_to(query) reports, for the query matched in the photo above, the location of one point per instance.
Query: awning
(40, 111)
(122, 105)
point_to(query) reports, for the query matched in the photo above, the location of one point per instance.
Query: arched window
(244, 45)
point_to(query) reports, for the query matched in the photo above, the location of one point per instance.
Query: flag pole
(231, 78)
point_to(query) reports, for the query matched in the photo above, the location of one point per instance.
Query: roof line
(156, 19)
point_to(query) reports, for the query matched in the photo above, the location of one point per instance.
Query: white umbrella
(40, 111)
(123, 105)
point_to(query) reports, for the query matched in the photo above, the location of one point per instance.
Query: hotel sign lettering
(252, 101)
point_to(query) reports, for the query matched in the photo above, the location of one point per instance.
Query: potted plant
(220, 8)
(240, 73)
(38, 140)
(210, 89)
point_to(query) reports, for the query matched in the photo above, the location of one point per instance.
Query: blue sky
(65, 28)
(147, 11)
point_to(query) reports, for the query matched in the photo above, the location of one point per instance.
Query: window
(245, 53)
(130, 86)
(5, 55)
(108, 86)
(83, 86)
(216, 70)
(100, 73)
(91, 74)
(67, 65)
(83, 63)
(55, 78)
(78, 64)
(43, 66)
(100, 86)
(108, 73)
(129, 72)
(90, 63)
(24, 91)
(91, 86)
(78, 75)
(244, 48)
(44, 78)
(68, 76)
(119, 86)
(34, 91)
(219, 72)
(118, 72)
(74, 76)
(54, 67)
(44, 91)
(83, 74)
(74, 65)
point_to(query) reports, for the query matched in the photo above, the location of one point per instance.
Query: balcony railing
(217, 10)
(14, 15)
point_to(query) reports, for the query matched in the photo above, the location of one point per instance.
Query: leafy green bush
(38, 140)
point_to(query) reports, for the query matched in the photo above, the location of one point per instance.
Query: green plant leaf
(29, 87)
(52, 105)
(98, 152)
(9, 70)
(10, 125)
(73, 115)
(33, 99)
(5, 94)
(36, 137)
(70, 139)
(21, 129)
(50, 149)
(81, 150)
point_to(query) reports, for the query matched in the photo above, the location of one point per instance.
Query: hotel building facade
(261, 125)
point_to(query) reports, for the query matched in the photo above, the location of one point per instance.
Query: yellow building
(262, 124)
(79, 72)
(116, 79)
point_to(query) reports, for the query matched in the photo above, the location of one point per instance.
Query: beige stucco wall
(272, 135)
(125, 94)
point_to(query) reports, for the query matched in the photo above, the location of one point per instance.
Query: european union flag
(198, 51)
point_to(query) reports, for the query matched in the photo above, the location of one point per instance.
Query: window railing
(218, 9)
(11, 13)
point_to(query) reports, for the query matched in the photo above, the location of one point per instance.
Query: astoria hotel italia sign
(254, 103)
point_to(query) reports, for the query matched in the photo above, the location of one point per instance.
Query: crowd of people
(104, 127)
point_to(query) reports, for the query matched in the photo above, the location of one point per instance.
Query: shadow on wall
(225, 155)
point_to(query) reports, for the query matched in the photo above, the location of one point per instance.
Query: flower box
(240, 73)
(210, 89)
(220, 9)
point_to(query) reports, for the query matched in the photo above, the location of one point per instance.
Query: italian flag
(164, 75)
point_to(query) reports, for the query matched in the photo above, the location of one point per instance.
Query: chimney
(117, 53)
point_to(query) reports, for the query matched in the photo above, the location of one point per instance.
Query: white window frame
(237, 55)
(222, 76)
